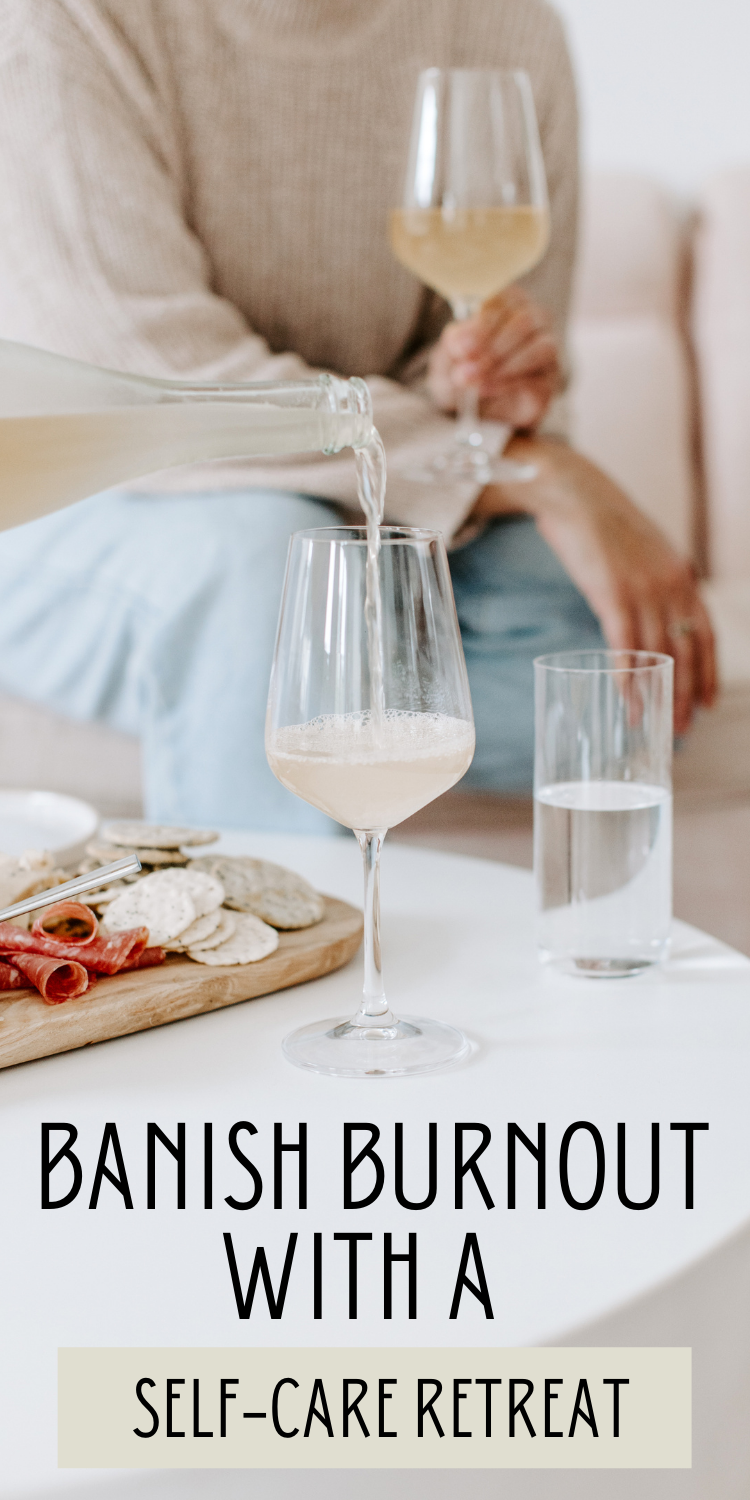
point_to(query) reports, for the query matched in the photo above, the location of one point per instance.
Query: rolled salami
(55, 980)
(11, 978)
(67, 922)
(105, 955)
(147, 959)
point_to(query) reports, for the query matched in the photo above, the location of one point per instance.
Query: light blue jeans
(157, 615)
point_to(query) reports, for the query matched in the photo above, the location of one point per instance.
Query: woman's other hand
(508, 351)
(643, 592)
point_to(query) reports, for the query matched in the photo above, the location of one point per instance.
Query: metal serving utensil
(77, 887)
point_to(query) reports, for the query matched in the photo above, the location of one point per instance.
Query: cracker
(134, 835)
(165, 909)
(201, 928)
(250, 941)
(105, 895)
(108, 853)
(278, 896)
(156, 858)
(206, 891)
(288, 907)
(24, 876)
(100, 854)
(224, 930)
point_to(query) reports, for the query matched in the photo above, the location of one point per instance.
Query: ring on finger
(679, 628)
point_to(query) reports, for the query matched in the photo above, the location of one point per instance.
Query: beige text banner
(375, 1408)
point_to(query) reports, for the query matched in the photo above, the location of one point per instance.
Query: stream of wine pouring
(371, 477)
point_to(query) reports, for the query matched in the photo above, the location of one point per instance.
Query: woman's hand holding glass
(474, 218)
(508, 352)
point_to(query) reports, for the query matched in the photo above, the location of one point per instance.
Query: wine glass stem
(374, 1003)
(468, 431)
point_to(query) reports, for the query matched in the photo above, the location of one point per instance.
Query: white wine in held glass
(369, 742)
(475, 217)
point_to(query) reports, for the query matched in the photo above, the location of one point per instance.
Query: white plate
(45, 820)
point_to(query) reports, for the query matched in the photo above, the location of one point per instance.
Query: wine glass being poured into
(369, 719)
(475, 217)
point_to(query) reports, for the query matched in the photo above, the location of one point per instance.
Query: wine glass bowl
(366, 763)
(469, 254)
(474, 215)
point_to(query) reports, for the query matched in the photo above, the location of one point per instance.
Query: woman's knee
(510, 555)
(226, 583)
(514, 596)
(268, 512)
(173, 549)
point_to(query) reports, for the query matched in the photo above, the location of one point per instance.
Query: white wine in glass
(366, 760)
(473, 253)
(475, 216)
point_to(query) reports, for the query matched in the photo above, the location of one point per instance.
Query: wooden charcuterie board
(178, 988)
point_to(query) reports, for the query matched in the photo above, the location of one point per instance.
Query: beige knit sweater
(201, 188)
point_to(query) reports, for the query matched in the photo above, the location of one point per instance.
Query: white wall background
(664, 85)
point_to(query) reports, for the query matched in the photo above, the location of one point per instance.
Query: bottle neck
(344, 407)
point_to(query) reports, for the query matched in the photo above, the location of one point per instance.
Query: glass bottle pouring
(68, 430)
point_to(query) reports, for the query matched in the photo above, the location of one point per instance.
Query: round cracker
(156, 857)
(134, 835)
(234, 872)
(250, 941)
(100, 853)
(108, 853)
(206, 891)
(288, 908)
(279, 897)
(202, 927)
(165, 909)
(224, 930)
(106, 895)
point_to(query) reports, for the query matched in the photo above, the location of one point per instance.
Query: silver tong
(131, 865)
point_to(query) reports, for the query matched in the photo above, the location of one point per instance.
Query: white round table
(458, 945)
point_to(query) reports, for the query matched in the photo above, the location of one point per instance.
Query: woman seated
(200, 189)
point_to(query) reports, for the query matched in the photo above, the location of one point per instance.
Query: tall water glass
(603, 810)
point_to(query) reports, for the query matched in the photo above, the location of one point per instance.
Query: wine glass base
(410, 1045)
(472, 465)
(605, 968)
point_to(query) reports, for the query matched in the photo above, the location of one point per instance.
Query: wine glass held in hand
(475, 217)
(369, 742)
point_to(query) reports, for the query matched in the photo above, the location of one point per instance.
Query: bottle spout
(351, 407)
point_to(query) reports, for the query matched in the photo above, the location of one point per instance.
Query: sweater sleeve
(98, 260)
(550, 283)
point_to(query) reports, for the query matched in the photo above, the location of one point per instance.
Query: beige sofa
(661, 399)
